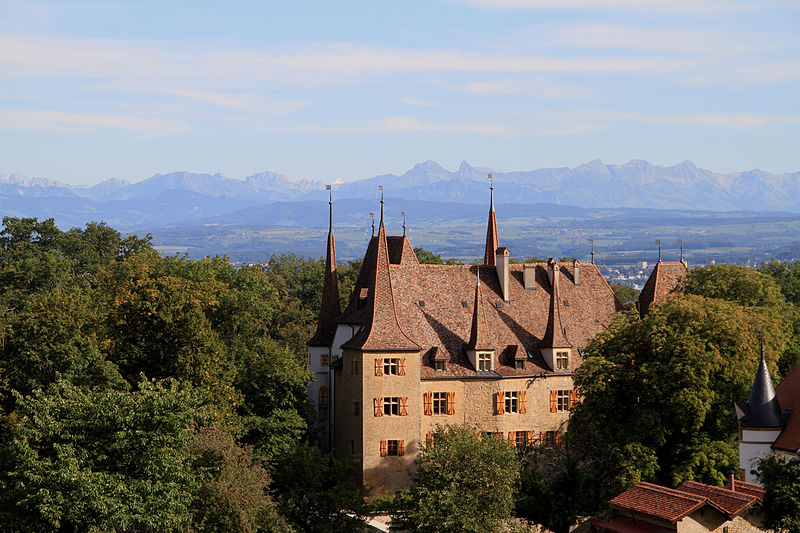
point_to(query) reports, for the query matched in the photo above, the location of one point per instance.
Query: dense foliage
(462, 483)
(781, 480)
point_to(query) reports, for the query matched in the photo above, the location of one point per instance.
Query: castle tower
(491, 232)
(760, 421)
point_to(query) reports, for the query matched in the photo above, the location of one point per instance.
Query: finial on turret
(491, 192)
(680, 243)
(403, 214)
(380, 188)
(658, 242)
(372, 216)
(330, 208)
(591, 242)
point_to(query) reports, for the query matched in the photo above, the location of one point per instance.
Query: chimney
(732, 481)
(529, 276)
(501, 264)
(576, 272)
(551, 266)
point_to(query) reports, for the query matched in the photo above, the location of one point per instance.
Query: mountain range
(184, 198)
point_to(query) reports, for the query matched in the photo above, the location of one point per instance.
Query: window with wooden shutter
(324, 359)
(523, 405)
(401, 448)
(429, 439)
(558, 439)
(573, 398)
(401, 367)
(500, 403)
(531, 438)
(512, 438)
(377, 404)
(427, 402)
(553, 401)
(384, 448)
(379, 367)
(404, 406)
(451, 403)
(323, 397)
(542, 438)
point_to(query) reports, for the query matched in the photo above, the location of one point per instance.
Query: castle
(493, 346)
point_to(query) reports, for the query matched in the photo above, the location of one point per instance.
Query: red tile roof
(555, 335)
(380, 329)
(489, 257)
(663, 279)
(479, 338)
(788, 392)
(435, 308)
(658, 501)
(750, 489)
(732, 502)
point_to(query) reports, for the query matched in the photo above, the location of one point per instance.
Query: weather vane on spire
(658, 242)
(403, 214)
(680, 243)
(491, 182)
(591, 241)
(372, 216)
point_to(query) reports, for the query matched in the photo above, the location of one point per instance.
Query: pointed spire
(762, 409)
(479, 332)
(330, 307)
(381, 329)
(554, 336)
(489, 258)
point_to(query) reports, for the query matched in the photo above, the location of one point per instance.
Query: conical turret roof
(330, 307)
(762, 409)
(489, 258)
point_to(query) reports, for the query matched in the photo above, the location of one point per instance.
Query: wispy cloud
(724, 121)
(539, 87)
(617, 5)
(61, 121)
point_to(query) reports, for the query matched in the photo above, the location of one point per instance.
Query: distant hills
(184, 198)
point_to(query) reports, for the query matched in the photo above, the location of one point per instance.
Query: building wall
(348, 422)
(389, 473)
(711, 521)
(755, 444)
(321, 378)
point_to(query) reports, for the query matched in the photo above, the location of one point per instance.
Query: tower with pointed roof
(761, 421)
(491, 231)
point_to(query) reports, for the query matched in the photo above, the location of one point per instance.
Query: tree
(781, 479)
(627, 295)
(664, 387)
(462, 484)
(317, 493)
(91, 459)
(786, 275)
(233, 493)
(429, 258)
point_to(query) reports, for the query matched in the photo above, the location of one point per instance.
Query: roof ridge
(673, 492)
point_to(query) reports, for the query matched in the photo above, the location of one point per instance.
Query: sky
(91, 90)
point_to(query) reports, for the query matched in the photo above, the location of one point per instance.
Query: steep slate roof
(554, 336)
(330, 307)
(663, 279)
(447, 292)
(380, 329)
(479, 332)
(661, 502)
(762, 409)
(492, 243)
(788, 393)
(731, 502)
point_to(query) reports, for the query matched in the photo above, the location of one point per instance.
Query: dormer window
(519, 364)
(439, 366)
(562, 360)
(484, 361)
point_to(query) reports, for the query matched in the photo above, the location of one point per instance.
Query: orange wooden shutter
(401, 366)
(573, 398)
(404, 406)
(553, 401)
(383, 448)
(542, 440)
(401, 448)
(429, 439)
(323, 359)
(512, 438)
(379, 367)
(323, 397)
(377, 404)
(427, 400)
(558, 438)
(451, 403)
(523, 404)
(531, 438)
(501, 404)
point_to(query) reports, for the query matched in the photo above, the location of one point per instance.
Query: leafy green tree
(665, 386)
(317, 493)
(739, 284)
(462, 484)
(347, 277)
(426, 257)
(786, 275)
(299, 277)
(83, 459)
(781, 480)
(627, 295)
(233, 493)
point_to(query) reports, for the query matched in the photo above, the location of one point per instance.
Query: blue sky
(91, 90)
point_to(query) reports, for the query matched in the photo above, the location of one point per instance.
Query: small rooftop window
(499, 304)
(422, 303)
(566, 303)
(464, 303)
